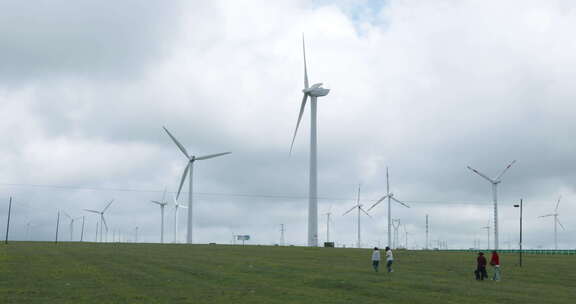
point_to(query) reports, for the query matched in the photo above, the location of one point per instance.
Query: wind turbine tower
(396, 224)
(556, 223)
(389, 196)
(313, 92)
(176, 206)
(494, 183)
(188, 171)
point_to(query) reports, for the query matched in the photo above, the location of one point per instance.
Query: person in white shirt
(375, 259)
(389, 259)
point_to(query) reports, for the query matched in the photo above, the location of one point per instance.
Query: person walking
(375, 259)
(481, 267)
(389, 259)
(495, 262)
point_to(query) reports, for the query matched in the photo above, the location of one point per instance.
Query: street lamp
(516, 206)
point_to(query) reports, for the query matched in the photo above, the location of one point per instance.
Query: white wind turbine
(188, 171)
(556, 223)
(313, 92)
(328, 215)
(494, 183)
(71, 224)
(176, 206)
(360, 209)
(390, 197)
(162, 204)
(102, 219)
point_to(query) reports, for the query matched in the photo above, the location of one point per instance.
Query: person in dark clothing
(481, 267)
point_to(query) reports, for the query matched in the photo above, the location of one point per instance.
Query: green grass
(151, 273)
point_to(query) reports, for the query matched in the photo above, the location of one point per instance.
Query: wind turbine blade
(93, 211)
(305, 68)
(66, 214)
(107, 206)
(482, 175)
(558, 221)
(157, 202)
(504, 171)
(104, 221)
(349, 210)
(302, 106)
(547, 215)
(183, 179)
(378, 202)
(399, 202)
(177, 143)
(362, 209)
(211, 156)
(557, 204)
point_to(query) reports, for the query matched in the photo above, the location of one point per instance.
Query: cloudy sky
(425, 88)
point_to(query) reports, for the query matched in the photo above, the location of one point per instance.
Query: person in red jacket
(495, 262)
(481, 267)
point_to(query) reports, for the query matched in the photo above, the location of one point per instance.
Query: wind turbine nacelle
(316, 90)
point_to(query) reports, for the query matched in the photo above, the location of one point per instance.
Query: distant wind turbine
(328, 214)
(313, 92)
(102, 219)
(189, 170)
(494, 183)
(358, 206)
(556, 223)
(162, 204)
(390, 197)
(71, 224)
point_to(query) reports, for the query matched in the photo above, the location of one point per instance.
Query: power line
(222, 194)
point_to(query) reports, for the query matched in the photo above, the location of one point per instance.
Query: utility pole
(520, 253)
(281, 234)
(427, 232)
(82, 233)
(8, 223)
(57, 226)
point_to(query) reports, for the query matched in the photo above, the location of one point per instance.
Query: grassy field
(151, 273)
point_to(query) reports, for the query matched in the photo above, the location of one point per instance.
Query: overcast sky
(425, 88)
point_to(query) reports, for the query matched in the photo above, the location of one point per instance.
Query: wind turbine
(188, 170)
(390, 197)
(71, 224)
(176, 206)
(102, 219)
(28, 226)
(359, 207)
(328, 214)
(313, 92)
(556, 223)
(494, 183)
(162, 204)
